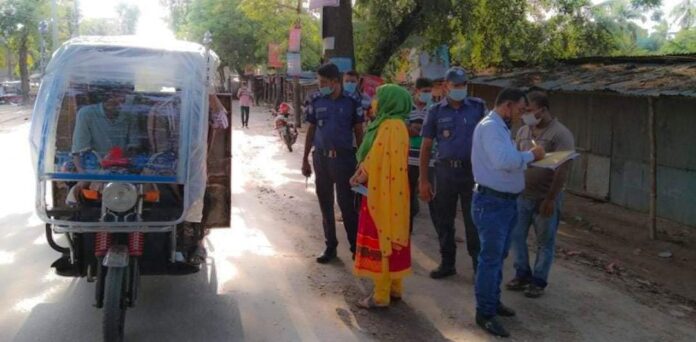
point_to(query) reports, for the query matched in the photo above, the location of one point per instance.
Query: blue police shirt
(453, 129)
(334, 119)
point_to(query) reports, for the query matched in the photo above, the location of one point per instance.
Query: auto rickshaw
(126, 167)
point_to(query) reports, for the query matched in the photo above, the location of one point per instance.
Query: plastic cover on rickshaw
(128, 110)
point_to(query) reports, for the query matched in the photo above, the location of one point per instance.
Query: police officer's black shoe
(442, 272)
(505, 311)
(491, 326)
(326, 257)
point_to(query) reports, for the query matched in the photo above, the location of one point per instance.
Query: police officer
(335, 117)
(451, 125)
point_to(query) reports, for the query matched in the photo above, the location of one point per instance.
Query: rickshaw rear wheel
(114, 319)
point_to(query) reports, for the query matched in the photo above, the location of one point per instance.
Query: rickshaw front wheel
(114, 318)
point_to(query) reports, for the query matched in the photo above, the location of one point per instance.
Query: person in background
(383, 246)
(451, 124)
(422, 100)
(540, 203)
(351, 85)
(246, 99)
(335, 121)
(498, 169)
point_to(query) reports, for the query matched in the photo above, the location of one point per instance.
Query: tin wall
(611, 133)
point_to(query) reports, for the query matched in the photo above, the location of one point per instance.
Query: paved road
(260, 282)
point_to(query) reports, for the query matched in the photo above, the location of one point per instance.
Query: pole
(76, 31)
(653, 168)
(54, 25)
(337, 22)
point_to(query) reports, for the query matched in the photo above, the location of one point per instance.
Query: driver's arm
(82, 138)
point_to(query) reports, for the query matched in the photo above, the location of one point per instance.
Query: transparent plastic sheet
(163, 82)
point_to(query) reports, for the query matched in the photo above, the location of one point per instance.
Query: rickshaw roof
(117, 56)
(172, 45)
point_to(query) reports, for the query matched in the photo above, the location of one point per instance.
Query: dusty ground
(261, 282)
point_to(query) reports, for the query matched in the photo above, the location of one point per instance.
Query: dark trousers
(330, 173)
(452, 185)
(495, 218)
(413, 174)
(245, 116)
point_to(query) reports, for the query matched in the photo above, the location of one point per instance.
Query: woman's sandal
(369, 304)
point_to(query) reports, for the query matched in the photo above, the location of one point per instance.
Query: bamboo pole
(653, 168)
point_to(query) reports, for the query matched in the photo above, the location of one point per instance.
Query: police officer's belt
(484, 190)
(454, 164)
(337, 153)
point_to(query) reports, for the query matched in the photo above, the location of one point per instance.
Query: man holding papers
(540, 203)
(498, 169)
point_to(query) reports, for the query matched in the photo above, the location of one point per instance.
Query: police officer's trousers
(413, 174)
(330, 172)
(452, 185)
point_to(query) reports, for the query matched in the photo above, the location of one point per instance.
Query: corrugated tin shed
(637, 76)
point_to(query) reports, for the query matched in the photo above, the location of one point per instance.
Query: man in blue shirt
(451, 125)
(335, 118)
(498, 169)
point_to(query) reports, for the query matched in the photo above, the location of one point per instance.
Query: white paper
(329, 43)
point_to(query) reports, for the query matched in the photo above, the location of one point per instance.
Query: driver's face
(115, 100)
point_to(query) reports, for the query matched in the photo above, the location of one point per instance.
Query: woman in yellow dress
(383, 244)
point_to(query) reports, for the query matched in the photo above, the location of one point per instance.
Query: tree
(19, 21)
(128, 16)
(242, 29)
(100, 27)
(684, 13)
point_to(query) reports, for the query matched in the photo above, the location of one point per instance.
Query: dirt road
(261, 282)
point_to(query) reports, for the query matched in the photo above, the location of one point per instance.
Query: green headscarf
(393, 102)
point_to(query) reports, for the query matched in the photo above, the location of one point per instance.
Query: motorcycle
(286, 130)
(120, 142)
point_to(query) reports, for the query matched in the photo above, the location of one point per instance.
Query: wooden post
(653, 168)
(297, 101)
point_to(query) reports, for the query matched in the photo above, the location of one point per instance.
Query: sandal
(369, 303)
(394, 298)
(199, 256)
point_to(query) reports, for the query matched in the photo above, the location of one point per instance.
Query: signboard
(295, 39)
(274, 56)
(316, 4)
(343, 63)
(370, 84)
(294, 63)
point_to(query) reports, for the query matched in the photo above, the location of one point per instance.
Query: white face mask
(530, 119)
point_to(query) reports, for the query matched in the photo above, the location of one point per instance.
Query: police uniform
(334, 159)
(452, 129)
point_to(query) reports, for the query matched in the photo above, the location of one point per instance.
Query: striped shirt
(417, 116)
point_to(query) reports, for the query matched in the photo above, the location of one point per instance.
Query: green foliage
(128, 16)
(242, 29)
(683, 42)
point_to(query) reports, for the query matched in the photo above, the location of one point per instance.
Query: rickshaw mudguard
(218, 195)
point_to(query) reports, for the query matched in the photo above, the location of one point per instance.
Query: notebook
(555, 159)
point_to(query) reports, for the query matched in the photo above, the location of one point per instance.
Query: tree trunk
(10, 69)
(390, 43)
(23, 67)
(337, 22)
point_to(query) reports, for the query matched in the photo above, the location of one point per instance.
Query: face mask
(326, 90)
(530, 120)
(350, 87)
(425, 97)
(457, 94)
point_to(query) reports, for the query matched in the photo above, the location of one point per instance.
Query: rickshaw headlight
(119, 197)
